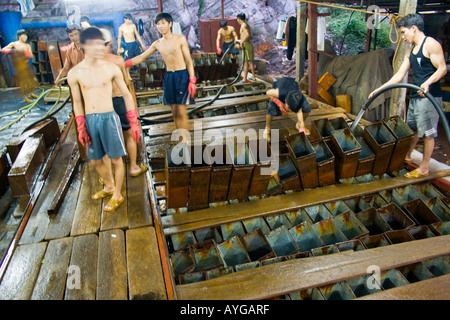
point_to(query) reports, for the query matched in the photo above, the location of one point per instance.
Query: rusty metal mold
(281, 241)
(248, 265)
(346, 149)
(373, 221)
(177, 175)
(241, 173)
(392, 278)
(437, 266)
(395, 217)
(351, 180)
(430, 191)
(330, 249)
(366, 158)
(304, 157)
(181, 240)
(360, 288)
(232, 229)
(440, 228)
(420, 232)
(398, 236)
(375, 201)
(402, 195)
(357, 204)
(337, 291)
(324, 128)
(299, 255)
(355, 245)
(200, 178)
(255, 223)
(305, 237)
(420, 212)
(318, 213)
(350, 225)
(206, 255)
(218, 272)
(192, 277)
(337, 207)
(415, 272)
(278, 220)
(287, 174)
(368, 177)
(439, 208)
(375, 241)
(403, 136)
(257, 246)
(328, 231)
(339, 123)
(325, 164)
(182, 262)
(382, 143)
(233, 252)
(220, 172)
(263, 158)
(299, 216)
(208, 233)
(308, 294)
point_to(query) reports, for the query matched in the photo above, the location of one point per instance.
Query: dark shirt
(286, 85)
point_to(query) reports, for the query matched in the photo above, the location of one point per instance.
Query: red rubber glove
(192, 87)
(128, 63)
(28, 54)
(82, 131)
(132, 119)
(219, 50)
(280, 105)
(6, 50)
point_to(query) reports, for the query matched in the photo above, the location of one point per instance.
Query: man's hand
(83, 136)
(192, 88)
(6, 50)
(128, 63)
(373, 93)
(219, 50)
(132, 119)
(426, 88)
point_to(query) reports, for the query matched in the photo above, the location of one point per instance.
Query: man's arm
(398, 77)
(8, 48)
(245, 34)
(142, 57)
(119, 39)
(234, 34)
(437, 59)
(187, 56)
(78, 109)
(273, 93)
(138, 37)
(219, 35)
(64, 71)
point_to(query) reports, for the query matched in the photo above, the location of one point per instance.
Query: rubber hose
(206, 103)
(408, 86)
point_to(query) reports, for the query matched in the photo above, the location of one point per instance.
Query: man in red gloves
(229, 38)
(179, 81)
(286, 96)
(98, 124)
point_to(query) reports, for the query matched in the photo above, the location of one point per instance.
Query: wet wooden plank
(145, 275)
(139, 210)
(61, 223)
(216, 216)
(299, 274)
(51, 281)
(22, 271)
(117, 219)
(87, 216)
(112, 266)
(84, 258)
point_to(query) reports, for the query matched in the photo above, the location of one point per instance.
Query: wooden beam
(301, 41)
(312, 55)
(212, 217)
(299, 274)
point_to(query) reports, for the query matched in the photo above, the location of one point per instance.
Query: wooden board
(51, 281)
(112, 266)
(22, 271)
(139, 210)
(299, 274)
(145, 275)
(88, 212)
(430, 289)
(216, 216)
(85, 256)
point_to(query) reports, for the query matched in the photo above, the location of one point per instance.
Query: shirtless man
(246, 35)
(132, 39)
(179, 81)
(22, 52)
(98, 124)
(229, 38)
(120, 108)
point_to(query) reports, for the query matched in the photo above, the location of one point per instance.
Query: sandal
(113, 204)
(408, 161)
(415, 174)
(143, 167)
(101, 194)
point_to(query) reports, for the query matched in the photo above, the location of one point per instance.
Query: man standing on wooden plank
(132, 44)
(98, 124)
(286, 96)
(179, 81)
(229, 39)
(246, 35)
(74, 54)
(121, 110)
(426, 58)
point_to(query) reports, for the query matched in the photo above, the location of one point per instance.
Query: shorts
(175, 88)
(230, 45)
(106, 136)
(121, 110)
(131, 49)
(249, 51)
(422, 117)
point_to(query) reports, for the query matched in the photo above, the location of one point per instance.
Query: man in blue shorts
(179, 82)
(286, 96)
(426, 58)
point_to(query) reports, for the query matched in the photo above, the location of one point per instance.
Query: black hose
(156, 121)
(408, 86)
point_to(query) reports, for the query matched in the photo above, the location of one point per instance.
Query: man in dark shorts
(286, 96)
(229, 39)
(131, 43)
(179, 82)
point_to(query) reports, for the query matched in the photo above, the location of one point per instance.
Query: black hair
(72, 27)
(165, 16)
(295, 100)
(21, 32)
(127, 16)
(85, 18)
(91, 33)
(411, 20)
(241, 16)
(223, 23)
